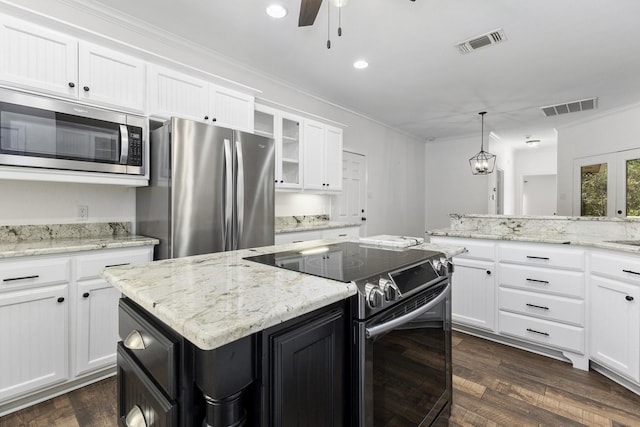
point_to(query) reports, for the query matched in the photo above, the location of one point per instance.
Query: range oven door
(402, 362)
(55, 134)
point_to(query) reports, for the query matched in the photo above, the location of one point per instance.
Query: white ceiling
(556, 51)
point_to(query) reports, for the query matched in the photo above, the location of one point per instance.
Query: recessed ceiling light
(276, 11)
(360, 64)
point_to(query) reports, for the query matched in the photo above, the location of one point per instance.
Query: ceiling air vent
(492, 37)
(570, 107)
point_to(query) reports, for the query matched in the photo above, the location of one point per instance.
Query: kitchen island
(216, 312)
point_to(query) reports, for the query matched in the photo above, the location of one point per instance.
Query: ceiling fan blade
(308, 12)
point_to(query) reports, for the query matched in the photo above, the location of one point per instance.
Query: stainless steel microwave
(42, 132)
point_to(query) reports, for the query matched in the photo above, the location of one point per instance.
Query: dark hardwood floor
(494, 385)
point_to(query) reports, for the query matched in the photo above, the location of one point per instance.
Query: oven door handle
(398, 321)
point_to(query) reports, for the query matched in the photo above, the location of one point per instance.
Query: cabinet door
(231, 109)
(307, 365)
(33, 327)
(333, 158)
(110, 77)
(97, 325)
(290, 154)
(314, 152)
(176, 94)
(473, 293)
(36, 58)
(615, 326)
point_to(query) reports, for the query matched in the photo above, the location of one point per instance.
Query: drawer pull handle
(630, 271)
(538, 281)
(537, 306)
(538, 332)
(135, 418)
(629, 298)
(538, 257)
(13, 279)
(117, 265)
(134, 341)
(342, 235)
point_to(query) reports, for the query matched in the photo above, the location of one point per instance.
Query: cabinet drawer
(32, 272)
(160, 352)
(297, 236)
(137, 392)
(335, 233)
(476, 248)
(90, 266)
(560, 282)
(542, 255)
(617, 266)
(543, 332)
(548, 307)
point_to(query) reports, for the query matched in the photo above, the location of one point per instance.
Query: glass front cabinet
(286, 130)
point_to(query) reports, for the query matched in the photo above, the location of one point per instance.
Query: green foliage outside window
(633, 187)
(594, 190)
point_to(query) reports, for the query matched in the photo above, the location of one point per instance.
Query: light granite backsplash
(610, 228)
(19, 233)
(292, 221)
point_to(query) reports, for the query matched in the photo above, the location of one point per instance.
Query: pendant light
(483, 162)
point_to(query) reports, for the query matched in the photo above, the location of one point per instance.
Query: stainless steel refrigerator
(211, 189)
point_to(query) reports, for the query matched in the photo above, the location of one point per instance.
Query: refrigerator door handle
(228, 188)
(239, 196)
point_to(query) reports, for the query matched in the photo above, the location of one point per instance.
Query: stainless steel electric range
(401, 328)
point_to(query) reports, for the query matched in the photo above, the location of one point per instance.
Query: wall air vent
(570, 107)
(492, 37)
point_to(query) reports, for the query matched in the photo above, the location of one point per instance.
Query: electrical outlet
(83, 212)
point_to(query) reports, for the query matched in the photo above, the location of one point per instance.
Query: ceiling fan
(309, 10)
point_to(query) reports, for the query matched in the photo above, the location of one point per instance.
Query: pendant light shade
(484, 162)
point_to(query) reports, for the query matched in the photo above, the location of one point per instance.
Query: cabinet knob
(213, 119)
(489, 272)
(281, 181)
(629, 298)
(619, 212)
(276, 180)
(61, 299)
(364, 218)
(86, 88)
(85, 295)
(206, 117)
(72, 84)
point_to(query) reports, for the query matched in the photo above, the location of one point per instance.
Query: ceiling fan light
(276, 11)
(360, 64)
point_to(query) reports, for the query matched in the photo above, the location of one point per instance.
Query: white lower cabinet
(35, 340)
(58, 321)
(473, 293)
(615, 313)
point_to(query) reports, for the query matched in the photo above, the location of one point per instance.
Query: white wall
(395, 160)
(290, 204)
(532, 162)
(450, 186)
(25, 202)
(605, 134)
(505, 161)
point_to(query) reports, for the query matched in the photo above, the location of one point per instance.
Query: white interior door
(349, 205)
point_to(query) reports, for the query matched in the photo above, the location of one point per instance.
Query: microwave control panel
(135, 146)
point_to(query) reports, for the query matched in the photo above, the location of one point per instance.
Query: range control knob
(390, 290)
(373, 295)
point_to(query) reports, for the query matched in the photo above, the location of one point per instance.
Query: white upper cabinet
(111, 78)
(286, 130)
(172, 93)
(322, 157)
(231, 109)
(36, 58)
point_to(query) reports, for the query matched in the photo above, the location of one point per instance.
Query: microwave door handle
(124, 145)
(399, 321)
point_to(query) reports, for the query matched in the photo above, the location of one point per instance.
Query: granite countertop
(58, 246)
(215, 299)
(46, 239)
(291, 228)
(594, 241)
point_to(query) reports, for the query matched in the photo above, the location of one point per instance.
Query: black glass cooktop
(344, 262)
